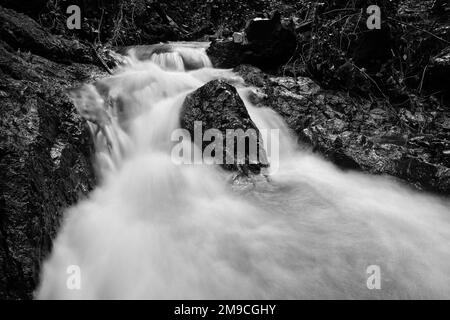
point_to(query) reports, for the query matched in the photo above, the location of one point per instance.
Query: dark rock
(430, 175)
(437, 75)
(356, 134)
(218, 106)
(31, 8)
(45, 160)
(269, 45)
(226, 53)
(259, 29)
(373, 49)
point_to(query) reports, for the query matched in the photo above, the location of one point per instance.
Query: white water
(153, 229)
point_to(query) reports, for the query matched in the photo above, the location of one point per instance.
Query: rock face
(218, 106)
(355, 133)
(45, 153)
(22, 32)
(269, 44)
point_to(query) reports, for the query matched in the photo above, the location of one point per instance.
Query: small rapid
(153, 229)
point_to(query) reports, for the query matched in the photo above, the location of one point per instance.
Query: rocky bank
(360, 134)
(45, 147)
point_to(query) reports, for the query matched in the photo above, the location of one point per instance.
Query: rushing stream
(156, 229)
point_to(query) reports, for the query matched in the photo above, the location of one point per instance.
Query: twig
(100, 26)
(103, 63)
(117, 25)
(371, 79)
(337, 10)
(290, 59)
(342, 32)
(421, 81)
(420, 29)
(342, 18)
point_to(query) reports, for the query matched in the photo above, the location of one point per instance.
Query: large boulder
(356, 133)
(217, 105)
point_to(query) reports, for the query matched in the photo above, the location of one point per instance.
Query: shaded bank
(45, 148)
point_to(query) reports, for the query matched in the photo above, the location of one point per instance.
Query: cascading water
(154, 229)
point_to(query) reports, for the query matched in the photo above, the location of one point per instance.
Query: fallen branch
(371, 79)
(338, 10)
(102, 62)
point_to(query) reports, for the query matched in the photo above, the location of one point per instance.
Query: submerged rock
(217, 106)
(355, 133)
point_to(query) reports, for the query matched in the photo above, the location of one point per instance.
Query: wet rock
(218, 106)
(355, 133)
(226, 53)
(45, 161)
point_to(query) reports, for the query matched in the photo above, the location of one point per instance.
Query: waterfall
(153, 229)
